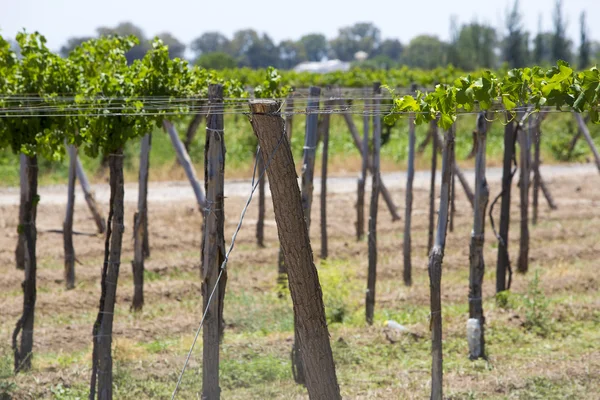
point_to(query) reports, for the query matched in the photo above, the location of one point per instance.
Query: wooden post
(289, 125)
(410, 176)
(103, 327)
(308, 165)
(186, 163)
(190, 133)
(325, 121)
(435, 267)
(139, 223)
(476, 261)
(260, 223)
(523, 261)
(213, 251)
(68, 222)
(311, 325)
(362, 180)
(90, 198)
(503, 262)
(23, 351)
(434, 144)
(357, 143)
(537, 137)
(588, 138)
(20, 250)
(459, 174)
(372, 273)
(453, 191)
(310, 151)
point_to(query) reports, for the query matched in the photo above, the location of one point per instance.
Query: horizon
(58, 27)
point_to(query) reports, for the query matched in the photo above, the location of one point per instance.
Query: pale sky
(187, 19)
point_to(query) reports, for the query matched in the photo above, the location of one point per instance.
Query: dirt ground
(559, 361)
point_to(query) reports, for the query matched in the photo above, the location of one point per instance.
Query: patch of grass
(7, 385)
(537, 315)
(252, 369)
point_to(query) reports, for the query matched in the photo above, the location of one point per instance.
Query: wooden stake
(588, 138)
(292, 228)
(213, 251)
(435, 267)
(140, 222)
(503, 262)
(409, 201)
(325, 132)
(360, 200)
(68, 222)
(476, 261)
(434, 143)
(372, 273)
(90, 198)
(186, 163)
(357, 143)
(523, 261)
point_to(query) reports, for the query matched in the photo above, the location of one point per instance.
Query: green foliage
(271, 87)
(537, 315)
(560, 86)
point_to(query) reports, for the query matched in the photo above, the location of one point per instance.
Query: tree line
(471, 46)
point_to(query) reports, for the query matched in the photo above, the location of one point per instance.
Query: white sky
(187, 19)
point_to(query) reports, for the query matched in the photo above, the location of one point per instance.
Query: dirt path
(161, 192)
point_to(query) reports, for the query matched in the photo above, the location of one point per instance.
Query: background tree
(176, 48)
(425, 52)
(473, 47)
(71, 44)
(314, 46)
(252, 50)
(561, 45)
(291, 53)
(210, 42)
(542, 45)
(362, 36)
(584, 46)
(390, 48)
(125, 29)
(516, 42)
(216, 60)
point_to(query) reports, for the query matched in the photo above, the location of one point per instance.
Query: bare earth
(150, 347)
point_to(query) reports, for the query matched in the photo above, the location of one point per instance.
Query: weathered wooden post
(372, 273)
(410, 176)
(289, 126)
(358, 144)
(433, 132)
(476, 323)
(435, 267)
(503, 261)
(213, 251)
(523, 261)
(140, 222)
(459, 174)
(326, 122)
(310, 324)
(20, 252)
(260, 223)
(27, 227)
(68, 222)
(90, 198)
(362, 179)
(186, 163)
(308, 166)
(588, 138)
